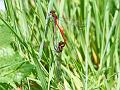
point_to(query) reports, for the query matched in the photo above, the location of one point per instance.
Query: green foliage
(90, 60)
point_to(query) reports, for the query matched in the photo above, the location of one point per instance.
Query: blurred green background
(89, 61)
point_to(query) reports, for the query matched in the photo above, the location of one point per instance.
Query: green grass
(89, 61)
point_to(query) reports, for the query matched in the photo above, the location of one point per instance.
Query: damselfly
(60, 45)
(69, 21)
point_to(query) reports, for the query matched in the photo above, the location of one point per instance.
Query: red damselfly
(58, 47)
(68, 21)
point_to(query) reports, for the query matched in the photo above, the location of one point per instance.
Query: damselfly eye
(61, 44)
(52, 11)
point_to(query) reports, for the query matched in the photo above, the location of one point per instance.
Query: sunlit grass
(90, 59)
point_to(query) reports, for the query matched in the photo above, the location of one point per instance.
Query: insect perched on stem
(58, 47)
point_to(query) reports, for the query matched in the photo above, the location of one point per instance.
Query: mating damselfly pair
(58, 46)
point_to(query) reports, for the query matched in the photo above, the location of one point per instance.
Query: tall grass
(89, 61)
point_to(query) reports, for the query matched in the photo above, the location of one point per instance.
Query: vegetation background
(89, 61)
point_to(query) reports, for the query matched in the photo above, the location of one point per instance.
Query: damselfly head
(52, 11)
(60, 46)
